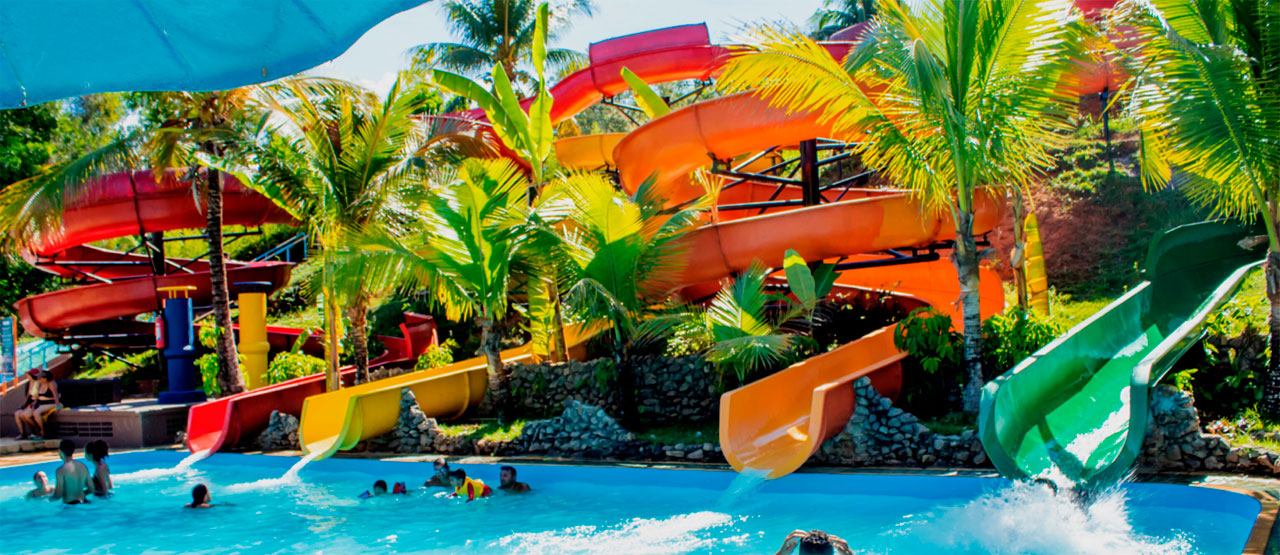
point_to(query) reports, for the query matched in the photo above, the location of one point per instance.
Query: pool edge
(1260, 535)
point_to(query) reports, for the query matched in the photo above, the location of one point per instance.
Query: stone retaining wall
(880, 434)
(668, 390)
(1175, 441)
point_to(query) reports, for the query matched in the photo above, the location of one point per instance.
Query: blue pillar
(179, 350)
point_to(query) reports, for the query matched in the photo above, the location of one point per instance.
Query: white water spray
(290, 477)
(689, 533)
(157, 473)
(1029, 517)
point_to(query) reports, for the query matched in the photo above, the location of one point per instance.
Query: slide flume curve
(1079, 406)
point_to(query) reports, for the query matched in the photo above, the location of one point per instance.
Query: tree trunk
(1271, 389)
(490, 338)
(1018, 257)
(229, 378)
(561, 350)
(965, 259)
(358, 313)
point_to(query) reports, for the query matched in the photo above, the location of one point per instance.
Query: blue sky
(373, 60)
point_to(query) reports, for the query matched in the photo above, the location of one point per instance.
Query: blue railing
(285, 249)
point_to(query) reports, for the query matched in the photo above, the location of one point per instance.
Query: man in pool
(42, 489)
(814, 542)
(471, 488)
(507, 481)
(73, 477)
(441, 478)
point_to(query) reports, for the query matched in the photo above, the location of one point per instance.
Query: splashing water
(744, 485)
(290, 477)
(685, 533)
(151, 474)
(1031, 518)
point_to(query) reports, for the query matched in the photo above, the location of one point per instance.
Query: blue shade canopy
(51, 49)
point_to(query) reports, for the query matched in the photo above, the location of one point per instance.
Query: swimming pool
(601, 510)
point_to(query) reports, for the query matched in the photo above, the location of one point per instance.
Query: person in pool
(74, 482)
(200, 498)
(42, 489)
(96, 453)
(441, 478)
(380, 488)
(507, 481)
(814, 542)
(471, 488)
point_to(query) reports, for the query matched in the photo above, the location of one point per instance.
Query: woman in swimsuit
(38, 408)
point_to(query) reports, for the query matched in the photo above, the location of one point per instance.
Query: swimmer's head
(816, 542)
(200, 495)
(41, 479)
(458, 477)
(379, 487)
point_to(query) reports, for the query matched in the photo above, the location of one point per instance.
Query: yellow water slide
(338, 420)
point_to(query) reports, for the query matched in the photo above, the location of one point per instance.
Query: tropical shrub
(746, 320)
(436, 356)
(287, 366)
(207, 364)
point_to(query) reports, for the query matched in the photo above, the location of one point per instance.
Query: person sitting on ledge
(42, 489)
(471, 488)
(814, 542)
(441, 478)
(200, 498)
(74, 482)
(42, 400)
(507, 481)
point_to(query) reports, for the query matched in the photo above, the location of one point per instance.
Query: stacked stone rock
(668, 390)
(416, 433)
(581, 430)
(879, 433)
(281, 432)
(1174, 440)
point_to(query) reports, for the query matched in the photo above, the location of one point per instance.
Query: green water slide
(1080, 403)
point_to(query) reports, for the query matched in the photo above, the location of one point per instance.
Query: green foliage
(491, 430)
(26, 140)
(207, 364)
(747, 341)
(1247, 310)
(436, 356)
(287, 366)
(835, 15)
(934, 351)
(747, 336)
(1010, 337)
(207, 336)
(689, 338)
(623, 257)
(529, 134)
(926, 336)
(502, 33)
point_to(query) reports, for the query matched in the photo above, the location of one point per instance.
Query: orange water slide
(775, 424)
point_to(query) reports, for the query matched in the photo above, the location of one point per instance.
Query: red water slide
(131, 204)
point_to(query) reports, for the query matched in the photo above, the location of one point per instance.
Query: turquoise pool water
(600, 510)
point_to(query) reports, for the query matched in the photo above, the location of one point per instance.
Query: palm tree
(473, 238)
(839, 14)
(343, 162)
(1207, 105)
(624, 256)
(498, 32)
(944, 96)
(193, 129)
